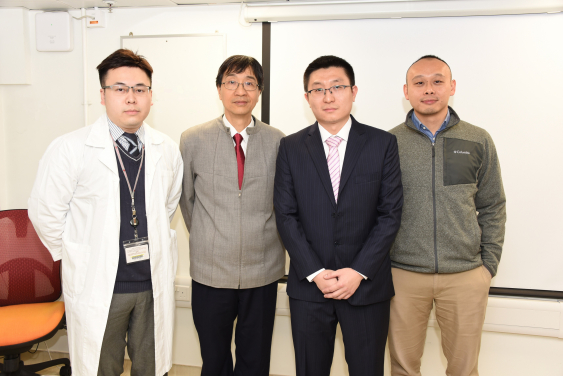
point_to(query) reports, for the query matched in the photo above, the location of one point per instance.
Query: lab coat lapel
(101, 138)
(152, 156)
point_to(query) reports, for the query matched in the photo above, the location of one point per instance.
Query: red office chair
(30, 284)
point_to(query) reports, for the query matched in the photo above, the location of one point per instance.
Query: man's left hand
(348, 282)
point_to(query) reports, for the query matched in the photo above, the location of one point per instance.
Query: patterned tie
(333, 161)
(240, 158)
(131, 144)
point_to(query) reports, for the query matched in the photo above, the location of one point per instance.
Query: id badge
(136, 250)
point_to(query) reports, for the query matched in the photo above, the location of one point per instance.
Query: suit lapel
(316, 150)
(354, 146)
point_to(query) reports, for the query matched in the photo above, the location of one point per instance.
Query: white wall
(34, 115)
(14, 69)
(52, 106)
(3, 169)
(14, 46)
(31, 116)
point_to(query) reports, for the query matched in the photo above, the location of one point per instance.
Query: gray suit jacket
(234, 242)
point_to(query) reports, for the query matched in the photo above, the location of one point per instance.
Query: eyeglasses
(248, 85)
(334, 90)
(139, 90)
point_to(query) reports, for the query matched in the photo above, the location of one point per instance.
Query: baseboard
(505, 314)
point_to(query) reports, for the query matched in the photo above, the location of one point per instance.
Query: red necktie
(240, 158)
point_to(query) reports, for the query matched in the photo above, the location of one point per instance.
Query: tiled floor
(42, 356)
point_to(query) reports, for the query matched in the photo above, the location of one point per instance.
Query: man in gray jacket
(236, 255)
(452, 231)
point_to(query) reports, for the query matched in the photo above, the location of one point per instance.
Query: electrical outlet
(182, 293)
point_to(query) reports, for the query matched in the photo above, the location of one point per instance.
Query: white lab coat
(74, 207)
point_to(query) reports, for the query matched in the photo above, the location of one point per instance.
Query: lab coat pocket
(167, 178)
(75, 267)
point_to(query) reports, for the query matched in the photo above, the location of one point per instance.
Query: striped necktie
(130, 143)
(333, 161)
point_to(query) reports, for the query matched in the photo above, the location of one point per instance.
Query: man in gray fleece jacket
(452, 230)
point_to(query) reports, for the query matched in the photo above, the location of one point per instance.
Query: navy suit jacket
(359, 230)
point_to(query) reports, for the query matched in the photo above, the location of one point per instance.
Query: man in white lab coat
(102, 202)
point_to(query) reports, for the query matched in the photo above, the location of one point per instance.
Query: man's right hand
(323, 283)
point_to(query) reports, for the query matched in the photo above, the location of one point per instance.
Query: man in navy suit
(338, 199)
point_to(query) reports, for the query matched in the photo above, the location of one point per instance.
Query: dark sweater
(134, 277)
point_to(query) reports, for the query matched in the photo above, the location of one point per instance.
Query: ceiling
(75, 4)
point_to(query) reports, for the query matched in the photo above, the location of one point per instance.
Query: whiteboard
(509, 72)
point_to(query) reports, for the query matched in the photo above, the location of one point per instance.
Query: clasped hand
(338, 284)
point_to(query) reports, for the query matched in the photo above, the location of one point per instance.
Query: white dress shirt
(344, 133)
(117, 132)
(244, 135)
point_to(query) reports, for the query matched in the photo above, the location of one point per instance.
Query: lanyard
(134, 221)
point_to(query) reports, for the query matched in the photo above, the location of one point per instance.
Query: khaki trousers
(461, 301)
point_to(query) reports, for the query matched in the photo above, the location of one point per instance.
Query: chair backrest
(28, 273)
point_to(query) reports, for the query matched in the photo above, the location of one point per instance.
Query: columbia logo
(461, 152)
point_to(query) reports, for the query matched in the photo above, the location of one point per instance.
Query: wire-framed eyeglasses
(247, 85)
(124, 89)
(334, 90)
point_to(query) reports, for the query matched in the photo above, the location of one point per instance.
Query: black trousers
(364, 331)
(215, 310)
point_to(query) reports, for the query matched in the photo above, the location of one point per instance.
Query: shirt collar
(234, 131)
(117, 132)
(418, 124)
(344, 133)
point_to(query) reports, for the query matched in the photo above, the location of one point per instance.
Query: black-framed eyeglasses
(334, 90)
(247, 85)
(124, 89)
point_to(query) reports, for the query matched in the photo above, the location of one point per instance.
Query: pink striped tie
(333, 161)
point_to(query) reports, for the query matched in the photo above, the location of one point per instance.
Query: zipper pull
(433, 152)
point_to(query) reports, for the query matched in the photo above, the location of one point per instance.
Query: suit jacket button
(333, 215)
(335, 243)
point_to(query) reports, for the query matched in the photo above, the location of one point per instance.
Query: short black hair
(238, 64)
(123, 58)
(328, 61)
(430, 57)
